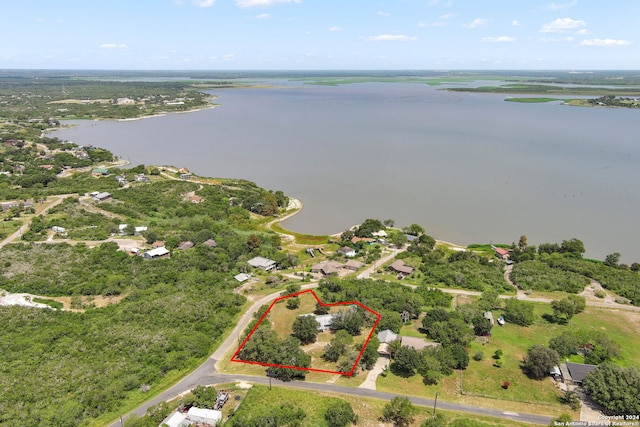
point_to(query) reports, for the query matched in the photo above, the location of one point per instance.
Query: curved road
(206, 374)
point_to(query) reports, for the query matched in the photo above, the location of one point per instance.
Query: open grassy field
(301, 239)
(315, 405)
(481, 382)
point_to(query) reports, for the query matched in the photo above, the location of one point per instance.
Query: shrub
(478, 356)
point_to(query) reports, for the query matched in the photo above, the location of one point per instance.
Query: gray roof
(579, 370)
(387, 336)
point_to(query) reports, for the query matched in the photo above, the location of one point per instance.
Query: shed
(157, 253)
(185, 245)
(242, 277)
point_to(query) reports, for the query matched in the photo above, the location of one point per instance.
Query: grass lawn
(9, 227)
(315, 405)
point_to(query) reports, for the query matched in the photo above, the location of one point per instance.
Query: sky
(319, 34)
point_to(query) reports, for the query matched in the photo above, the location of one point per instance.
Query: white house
(161, 252)
(242, 277)
(262, 263)
(206, 416)
(347, 251)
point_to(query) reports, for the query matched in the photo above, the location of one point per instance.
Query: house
(101, 197)
(157, 253)
(401, 268)
(417, 343)
(99, 172)
(185, 245)
(186, 176)
(324, 320)
(367, 240)
(195, 199)
(346, 251)
(502, 253)
(326, 267)
(195, 416)
(157, 244)
(574, 373)
(176, 419)
(211, 243)
(353, 265)
(380, 233)
(262, 263)
(206, 416)
(140, 229)
(141, 178)
(242, 277)
(387, 336)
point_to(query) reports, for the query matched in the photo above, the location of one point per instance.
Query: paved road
(205, 375)
(25, 226)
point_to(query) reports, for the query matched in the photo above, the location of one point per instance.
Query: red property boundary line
(350, 373)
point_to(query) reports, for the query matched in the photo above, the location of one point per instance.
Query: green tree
(305, 328)
(539, 361)
(414, 230)
(481, 325)
(522, 243)
(406, 361)
(519, 312)
(202, 397)
(399, 411)
(615, 388)
(293, 303)
(612, 260)
(572, 247)
(340, 414)
(337, 346)
(368, 227)
(566, 308)
(438, 420)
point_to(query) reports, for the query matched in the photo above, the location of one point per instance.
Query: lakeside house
(326, 267)
(99, 172)
(347, 251)
(401, 268)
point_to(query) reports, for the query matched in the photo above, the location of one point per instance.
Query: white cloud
(604, 42)
(479, 22)
(556, 39)
(515, 23)
(262, 3)
(335, 29)
(113, 46)
(562, 25)
(582, 32)
(447, 16)
(391, 37)
(204, 3)
(501, 39)
(560, 6)
(381, 13)
(263, 16)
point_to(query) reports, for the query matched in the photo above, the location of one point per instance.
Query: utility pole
(435, 402)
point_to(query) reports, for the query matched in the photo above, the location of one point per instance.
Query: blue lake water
(467, 167)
